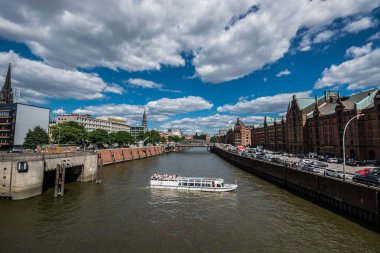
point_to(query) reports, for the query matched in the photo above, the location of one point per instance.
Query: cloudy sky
(193, 64)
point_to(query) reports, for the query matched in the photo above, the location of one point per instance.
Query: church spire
(6, 94)
(144, 121)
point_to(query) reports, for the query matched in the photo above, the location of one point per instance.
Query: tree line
(75, 134)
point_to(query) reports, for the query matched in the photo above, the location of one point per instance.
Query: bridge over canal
(194, 143)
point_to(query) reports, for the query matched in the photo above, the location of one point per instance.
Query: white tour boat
(164, 181)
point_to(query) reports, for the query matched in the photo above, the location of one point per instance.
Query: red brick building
(270, 135)
(316, 125)
(240, 135)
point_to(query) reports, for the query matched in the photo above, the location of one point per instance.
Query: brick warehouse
(316, 125)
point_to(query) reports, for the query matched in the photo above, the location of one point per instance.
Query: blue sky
(194, 65)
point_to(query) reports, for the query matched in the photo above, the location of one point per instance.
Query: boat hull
(194, 188)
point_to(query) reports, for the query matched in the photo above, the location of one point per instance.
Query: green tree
(214, 139)
(142, 136)
(163, 140)
(112, 138)
(174, 138)
(123, 138)
(99, 137)
(68, 133)
(153, 136)
(35, 137)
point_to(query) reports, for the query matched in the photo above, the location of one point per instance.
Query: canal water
(124, 215)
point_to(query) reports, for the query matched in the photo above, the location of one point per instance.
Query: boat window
(191, 184)
(184, 184)
(180, 184)
(197, 184)
(218, 185)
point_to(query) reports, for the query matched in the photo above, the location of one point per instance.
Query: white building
(111, 125)
(28, 117)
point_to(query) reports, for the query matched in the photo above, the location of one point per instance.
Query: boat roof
(200, 178)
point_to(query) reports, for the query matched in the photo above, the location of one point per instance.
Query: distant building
(175, 132)
(188, 137)
(202, 136)
(16, 118)
(144, 120)
(90, 124)
(137, 130)
(240, 135)
(270, 135)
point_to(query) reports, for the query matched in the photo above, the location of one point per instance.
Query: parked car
(330, 172)
(311, 168)
(372, 163)
(364, 171)
(306, 161)
(332, 160)
(351, 162)
(320, 164)
(340, 174)
(278, 160)
(371, 178)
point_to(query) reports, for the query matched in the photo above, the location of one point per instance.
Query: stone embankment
(110, 156)
(351, 199)
(27, 175)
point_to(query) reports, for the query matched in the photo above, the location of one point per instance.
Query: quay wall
(350, 199)
(111, 156)
(17, 184)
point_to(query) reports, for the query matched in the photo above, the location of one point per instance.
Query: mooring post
(99, 170)
(60, 180)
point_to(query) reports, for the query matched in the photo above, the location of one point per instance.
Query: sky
(192, 64)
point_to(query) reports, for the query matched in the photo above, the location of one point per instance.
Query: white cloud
(59, 111)
(323, 36)
(158, 110)
(264, 37)
(265, 79)
(210, 124)
(354, 52)
(283, 73)
(144, 83)
(149, 85)
(359, 73)
(172, 106)
(305, 44)
(360, 24)
(83, 111)
(38, 81)
(269, 104)
(115, 88)
(146, 35)
(376, 36)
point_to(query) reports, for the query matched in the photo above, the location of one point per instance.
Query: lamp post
(59, 134)
(344, 148)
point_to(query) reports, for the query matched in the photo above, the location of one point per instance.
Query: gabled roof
(361, 100)
(304, 102)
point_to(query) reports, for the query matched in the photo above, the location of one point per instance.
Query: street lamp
(59, 134)
(344, 134)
